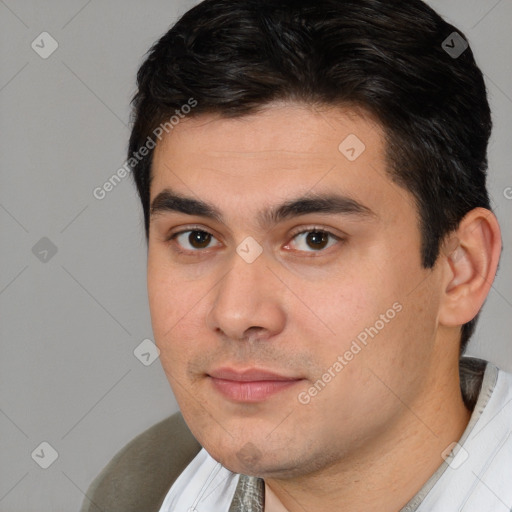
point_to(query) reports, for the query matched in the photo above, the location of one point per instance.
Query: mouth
(250, 385)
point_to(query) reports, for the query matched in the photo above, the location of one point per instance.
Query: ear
(470, 259)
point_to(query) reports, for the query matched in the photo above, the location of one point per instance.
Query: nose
(247, 302)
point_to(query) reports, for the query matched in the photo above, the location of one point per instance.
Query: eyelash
(198, 252)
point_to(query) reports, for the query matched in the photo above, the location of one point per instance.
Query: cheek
(341, 307)
(397, 335)
(170, 290)
(172, 303)
(162, 301)
(373, 318)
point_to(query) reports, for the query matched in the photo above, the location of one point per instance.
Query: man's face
(292, 335)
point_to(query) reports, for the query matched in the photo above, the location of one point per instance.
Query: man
(320, 242)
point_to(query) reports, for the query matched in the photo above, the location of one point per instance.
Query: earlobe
(470, 258)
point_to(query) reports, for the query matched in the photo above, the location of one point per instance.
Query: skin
(375, 433)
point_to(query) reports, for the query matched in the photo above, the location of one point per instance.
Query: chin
(253, 459)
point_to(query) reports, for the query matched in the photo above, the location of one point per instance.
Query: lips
(250, 385)
(248, 375)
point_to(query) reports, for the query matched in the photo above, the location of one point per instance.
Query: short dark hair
(388, 57)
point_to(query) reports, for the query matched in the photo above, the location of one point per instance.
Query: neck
(390, 470)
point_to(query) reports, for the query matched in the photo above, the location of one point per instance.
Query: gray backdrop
(72, 280)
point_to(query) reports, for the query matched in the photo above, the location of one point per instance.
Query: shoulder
(142, 472)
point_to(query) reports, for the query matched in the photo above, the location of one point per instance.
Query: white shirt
(476, 477)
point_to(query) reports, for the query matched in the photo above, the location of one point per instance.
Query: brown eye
(317, 239)
(199, 239)
(194, 239)
(314, 240)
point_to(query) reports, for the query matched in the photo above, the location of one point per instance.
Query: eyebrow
(168, 201)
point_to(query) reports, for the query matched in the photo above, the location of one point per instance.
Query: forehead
(286, 149)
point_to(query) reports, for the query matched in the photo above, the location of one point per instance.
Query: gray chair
(140, 474)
